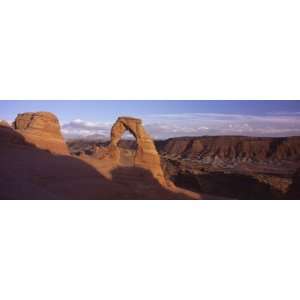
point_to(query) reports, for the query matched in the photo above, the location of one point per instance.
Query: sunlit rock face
(41, 129)
(146, 155)
(4, 123)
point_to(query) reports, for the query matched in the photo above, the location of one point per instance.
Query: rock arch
(146, 155)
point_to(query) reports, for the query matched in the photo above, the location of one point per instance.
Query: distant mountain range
(92, 137)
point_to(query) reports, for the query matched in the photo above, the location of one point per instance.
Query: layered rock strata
(42, 130)
(146, 156)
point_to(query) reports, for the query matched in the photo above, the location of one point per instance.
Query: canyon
(37, 163)
(234, 167)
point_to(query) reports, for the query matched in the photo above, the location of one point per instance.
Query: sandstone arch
(146, 155)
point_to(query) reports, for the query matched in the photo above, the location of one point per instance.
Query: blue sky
(108, 111)
(169, 118)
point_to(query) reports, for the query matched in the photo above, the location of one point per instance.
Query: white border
(149, 250)
(149, 50)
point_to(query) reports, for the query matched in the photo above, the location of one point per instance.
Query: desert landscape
(232, 167)
(38, 162)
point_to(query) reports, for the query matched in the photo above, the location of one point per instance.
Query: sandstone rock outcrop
(8, 136)
(232, 148)
(28, 172)
(240, 167)
(4, 123)
(146, 156)
(41, 129)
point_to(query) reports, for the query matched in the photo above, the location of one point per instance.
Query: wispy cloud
(82, 128)
(194, 124)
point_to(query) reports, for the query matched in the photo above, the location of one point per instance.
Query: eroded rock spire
(41, 129)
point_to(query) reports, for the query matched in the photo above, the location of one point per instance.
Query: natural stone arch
(146, 155)
(123, 124)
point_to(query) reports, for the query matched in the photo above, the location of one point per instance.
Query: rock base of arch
(146, 155)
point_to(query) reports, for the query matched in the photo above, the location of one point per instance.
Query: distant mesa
(41, 129)
(232, 148)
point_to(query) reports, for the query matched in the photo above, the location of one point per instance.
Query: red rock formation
(41, 129)
(28, 172)
(240, 167)
(232, 148)
(146, 156)
(4, 123)
(8, 136)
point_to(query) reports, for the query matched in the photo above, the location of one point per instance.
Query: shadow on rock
(139, 183)
(294, 190)
(27, 172)
(234, 186)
